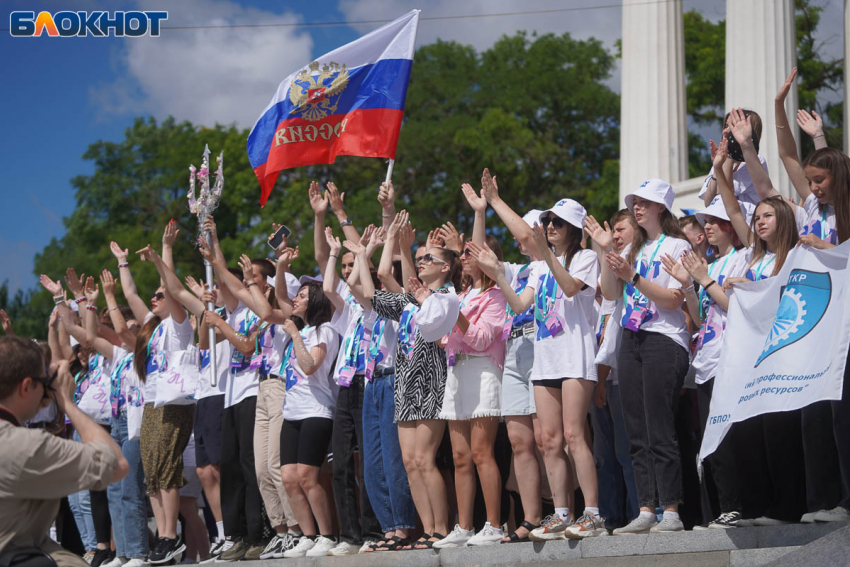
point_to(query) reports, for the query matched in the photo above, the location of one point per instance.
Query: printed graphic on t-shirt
(547, 297)
(639, 309)
(407, 329)
(238, 361)
(377, 352)
(713, 320)
(527, 316)
(820, 228)
(156, 358)
(354, 349)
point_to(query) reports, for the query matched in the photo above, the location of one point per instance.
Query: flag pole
(390, 171)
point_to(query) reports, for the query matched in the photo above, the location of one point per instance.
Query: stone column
(760, 53)
(653, 123)
(846, 76)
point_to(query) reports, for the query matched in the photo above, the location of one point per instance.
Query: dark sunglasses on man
(46, 381)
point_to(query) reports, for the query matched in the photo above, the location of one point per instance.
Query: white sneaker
(322, 547)
(487, 536)
(588, 525)
(667, 525)
(458, 538)
(117, 562)
(640, 525)
(765, 521)
(305, 544)
(369, 543)
(809, 517)
(551, 528)
(344, 548)
(274, 546)
(136, 562)
(837, 514)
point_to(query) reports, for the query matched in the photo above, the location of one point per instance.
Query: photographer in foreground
(38, 469)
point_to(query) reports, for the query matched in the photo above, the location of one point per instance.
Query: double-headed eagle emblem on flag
(315, 97)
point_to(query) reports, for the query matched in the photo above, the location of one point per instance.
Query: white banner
(785, 343)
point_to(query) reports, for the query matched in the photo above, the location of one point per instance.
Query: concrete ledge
(512, 554)
(757, 557)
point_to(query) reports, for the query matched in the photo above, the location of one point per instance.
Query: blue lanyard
(287, 354)
(759, 269)
(519, 289)
(824, 228)
(153, 335)
(638, 294)
(703, 293)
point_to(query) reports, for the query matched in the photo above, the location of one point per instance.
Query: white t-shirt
(651, 317)
(610, 344)
(349, 323)
(244, 381)
(313, 395)
(762, 269)
(222, 368)
(732, 265)
(125, 385)
(742, 183)
(565, 341)
(812, 219)
(518, 275)
(169, 336)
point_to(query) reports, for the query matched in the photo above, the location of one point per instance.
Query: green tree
(535, 110)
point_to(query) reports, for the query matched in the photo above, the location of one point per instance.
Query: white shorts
(473, 389)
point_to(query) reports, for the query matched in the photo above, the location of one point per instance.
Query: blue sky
(60, 95)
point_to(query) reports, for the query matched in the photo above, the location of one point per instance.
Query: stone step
(739, 547)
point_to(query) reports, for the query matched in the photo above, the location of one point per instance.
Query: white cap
(718, 210)
(532, 217)
(568, 210)
(655, 190)
(304, 280)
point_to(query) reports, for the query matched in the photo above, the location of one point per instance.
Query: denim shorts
(517, 391)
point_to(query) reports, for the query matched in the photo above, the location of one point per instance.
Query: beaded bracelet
(80, 300)
(124, 265)
(91, 307)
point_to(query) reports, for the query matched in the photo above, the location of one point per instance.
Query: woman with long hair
(561, 288)
(426, 313)
(653, 357)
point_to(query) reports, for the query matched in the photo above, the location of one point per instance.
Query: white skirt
(473, 389)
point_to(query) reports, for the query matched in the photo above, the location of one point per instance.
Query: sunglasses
(467, 253)
(45, 381)
(159, 296)
(556, 222)
(430, 258)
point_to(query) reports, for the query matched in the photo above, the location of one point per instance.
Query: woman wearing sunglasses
(653, 357)
(562, 288)
(425, 314)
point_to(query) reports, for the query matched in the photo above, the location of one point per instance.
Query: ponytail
(140, 358)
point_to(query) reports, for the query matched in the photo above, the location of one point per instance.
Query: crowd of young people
(371, 408)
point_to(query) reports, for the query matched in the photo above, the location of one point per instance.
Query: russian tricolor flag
(348, 102)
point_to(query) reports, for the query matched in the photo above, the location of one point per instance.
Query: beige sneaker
(589, 525)
(552, 528)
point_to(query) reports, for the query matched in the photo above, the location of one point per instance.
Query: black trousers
(348, 435)
(841, 431)
(823, 480)
(769, 454)
(241, 502)
(100, 512)
(652, 368)
(721, 475)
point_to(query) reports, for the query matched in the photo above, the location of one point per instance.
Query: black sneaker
(167, 550)
(725, 521)
(102, 556)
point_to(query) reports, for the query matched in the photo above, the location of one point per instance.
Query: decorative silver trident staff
(202, 207)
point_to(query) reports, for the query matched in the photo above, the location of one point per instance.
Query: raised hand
(386, 196)
(146, 253)
(478, 203)
(275, 228)
(811, 124)
(354, 247)
(193, 285)
(6, 323)
(74, 283)
(451, 239)
(721, 152)
(54, 317)
(399, 221)
(676, 270)
(288, 256)
(107, 282)
(603, 237)
(697, 267)
(378, 239)
(619, 266)
(489, 189)
(336, 199)
(406, 236)
(742, 128)
(318, 200)
(54, 287)
(333, 241)
(120, 255)
(247, 268)
(205, 250)
(211, 228)
(92, 291)
(487, 260)
(540, 239)
(169, 235)
(368, 232)
(208, 296)
(786, 86)
(435, 240)
(418, 289)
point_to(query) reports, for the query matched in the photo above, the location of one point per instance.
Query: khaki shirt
(36, 470)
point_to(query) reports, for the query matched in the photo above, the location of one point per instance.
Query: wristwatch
(635, 279)
(346, 222)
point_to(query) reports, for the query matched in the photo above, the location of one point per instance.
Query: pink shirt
(486, 315)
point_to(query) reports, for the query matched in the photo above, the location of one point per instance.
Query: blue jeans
(80, 504)
(127, 504)
(383, 468)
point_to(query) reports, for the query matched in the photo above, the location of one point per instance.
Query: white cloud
(206, 76)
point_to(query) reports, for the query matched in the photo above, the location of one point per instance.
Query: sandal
(374, 547)
(395, 543)
(516, 539)
(427, 541)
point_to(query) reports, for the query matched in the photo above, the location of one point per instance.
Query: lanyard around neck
(703, 293)
(638, 294)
